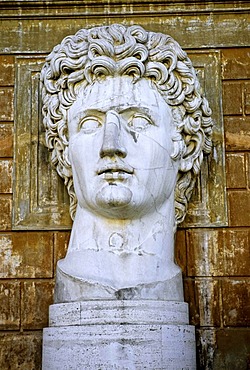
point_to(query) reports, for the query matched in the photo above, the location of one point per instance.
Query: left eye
(89, 125)
(139, 122)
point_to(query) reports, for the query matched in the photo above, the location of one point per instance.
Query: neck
(152, 234)
(122, 253)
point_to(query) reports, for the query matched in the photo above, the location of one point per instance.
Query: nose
(111, 145)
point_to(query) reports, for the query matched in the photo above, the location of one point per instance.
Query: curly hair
(93, 54)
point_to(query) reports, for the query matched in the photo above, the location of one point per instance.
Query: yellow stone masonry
(215, 261)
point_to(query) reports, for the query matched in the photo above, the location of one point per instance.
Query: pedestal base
(119, 335)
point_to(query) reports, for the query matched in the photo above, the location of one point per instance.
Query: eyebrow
(122, 109)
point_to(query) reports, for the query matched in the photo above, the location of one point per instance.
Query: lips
(115, 172)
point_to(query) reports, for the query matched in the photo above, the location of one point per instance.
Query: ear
(66, 165)
(193, 154)
(179, 146)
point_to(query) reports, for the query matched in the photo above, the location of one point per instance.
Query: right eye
(89, 125)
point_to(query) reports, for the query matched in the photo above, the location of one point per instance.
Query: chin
(112, 196)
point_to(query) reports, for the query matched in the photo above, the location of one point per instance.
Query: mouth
(111, 173)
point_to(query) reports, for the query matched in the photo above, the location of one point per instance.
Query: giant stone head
(143, 86)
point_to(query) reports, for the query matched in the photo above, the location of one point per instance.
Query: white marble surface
(104, 335)
(127, 124)
(119, 347)
(118, 312)
(120, 148)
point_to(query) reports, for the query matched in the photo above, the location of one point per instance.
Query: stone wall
(215, 260)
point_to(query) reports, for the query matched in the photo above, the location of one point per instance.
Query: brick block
(237, 133)
(202, 296)
(232, 98)
(236, 170)
(61, 245)
(246, 97)
(236, 302)
(248, 169)
(239, 208)
(5, 215)
(6, 169)
(206, 346)
(236, 251)
(221, 252)
(6, 104)
(204, 252)
(235, 63)
(26, 255)
(6, 70)
(10, 305)
(181, 250)
(6, 140)
(224, 349)
(21, 351)
(36, 298)
(232, 350)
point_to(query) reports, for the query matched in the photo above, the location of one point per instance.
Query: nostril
(113, 151)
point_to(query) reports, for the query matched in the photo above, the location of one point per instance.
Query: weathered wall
(215, 261)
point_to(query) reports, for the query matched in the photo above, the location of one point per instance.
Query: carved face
(120, 144)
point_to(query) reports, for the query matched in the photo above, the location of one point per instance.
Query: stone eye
(139, 122)
(90, 124)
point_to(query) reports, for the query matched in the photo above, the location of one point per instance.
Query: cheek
(164, 170)
(79, 165)
(82, 149)
(161, 153)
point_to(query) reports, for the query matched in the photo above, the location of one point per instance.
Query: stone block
(26, 255)
(223, 349)
(61, 242)
(204, 252)
(207, 199)
(236, 170)
(181, 250)
(237, 133)
(232, 350)
(248, 169)
(235, 63)
(5, 216)
(122, 312)
(218, 252)
(10, 261)
(202, 296)
(232, 98)
(20, 351)
(206, 346)
(195, 25)
(36, 298)
(6, 169)
(235, 301)
(119, 334)
(6, 140)
(246, 90)
(6, 104)
(236, 252)
(239, 206)
(6, 70)
(9, 305)
(119, 347)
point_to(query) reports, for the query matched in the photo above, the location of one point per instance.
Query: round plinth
(119, 335)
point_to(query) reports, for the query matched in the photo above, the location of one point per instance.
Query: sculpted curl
(117, 50)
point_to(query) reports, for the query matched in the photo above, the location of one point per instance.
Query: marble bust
(127, 125)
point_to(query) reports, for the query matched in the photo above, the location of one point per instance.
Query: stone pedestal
(105, 335)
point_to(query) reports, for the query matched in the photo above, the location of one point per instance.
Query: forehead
(120, 92)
